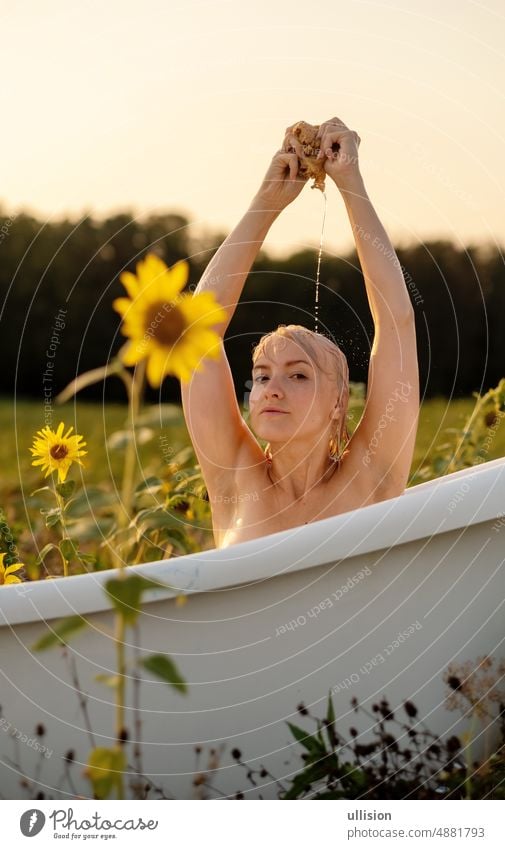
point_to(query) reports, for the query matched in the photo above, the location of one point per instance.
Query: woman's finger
(335, 126)
(332, 122)
(342, 137)
(289, 159)
(292, 144)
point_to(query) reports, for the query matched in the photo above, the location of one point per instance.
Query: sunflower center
(58, 452)
(165, 323)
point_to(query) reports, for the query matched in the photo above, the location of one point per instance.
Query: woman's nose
(273, 387)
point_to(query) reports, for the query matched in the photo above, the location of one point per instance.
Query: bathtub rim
(296, 549)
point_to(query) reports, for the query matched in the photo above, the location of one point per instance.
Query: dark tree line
(71, 269)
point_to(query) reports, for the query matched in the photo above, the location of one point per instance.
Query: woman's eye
(259, 378)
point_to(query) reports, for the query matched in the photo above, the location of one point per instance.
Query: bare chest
(256, 507)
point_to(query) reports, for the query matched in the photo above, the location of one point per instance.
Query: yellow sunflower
(6, 576)
(56, 451)
(169, 329)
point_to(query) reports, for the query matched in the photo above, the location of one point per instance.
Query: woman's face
(286, 379)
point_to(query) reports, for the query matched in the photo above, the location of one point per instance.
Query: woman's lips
(274, 412)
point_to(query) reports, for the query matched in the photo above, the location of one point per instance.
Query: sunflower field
(101, 486)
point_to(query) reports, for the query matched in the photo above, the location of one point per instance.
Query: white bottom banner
(360, 824)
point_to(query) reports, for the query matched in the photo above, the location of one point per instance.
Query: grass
(96, 422)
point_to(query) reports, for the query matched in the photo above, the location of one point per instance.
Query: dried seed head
(410, 709)
(453, 744)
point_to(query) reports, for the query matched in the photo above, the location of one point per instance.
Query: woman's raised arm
(227, 271)
(385, 284)
(213, 418)
(384, 440)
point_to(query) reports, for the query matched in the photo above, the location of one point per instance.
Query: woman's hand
(342, 166)
(281, 184)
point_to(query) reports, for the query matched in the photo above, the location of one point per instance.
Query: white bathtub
(430, 563)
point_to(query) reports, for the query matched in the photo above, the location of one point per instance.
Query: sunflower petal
(130, 283)
(149, 270)
(186, 374)
(122, 305)
(208, 343)
(181, 366)
(203, 310)
(179, 274)
(157, 366)
(133, 354)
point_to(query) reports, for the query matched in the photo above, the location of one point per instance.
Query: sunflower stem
(135, 393)
(468, 758)
(120, 690)
(61, 504)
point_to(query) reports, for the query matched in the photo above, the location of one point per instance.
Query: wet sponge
(310, 166)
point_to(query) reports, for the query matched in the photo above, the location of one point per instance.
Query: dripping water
(316, 305)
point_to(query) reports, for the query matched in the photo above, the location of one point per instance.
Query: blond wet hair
(315, 345)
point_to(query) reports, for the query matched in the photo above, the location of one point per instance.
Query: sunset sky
(179, 106)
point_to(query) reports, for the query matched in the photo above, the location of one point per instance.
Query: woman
(310, 470)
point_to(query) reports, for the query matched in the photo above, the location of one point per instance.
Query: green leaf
(119, 440)
(151, 483)
(353, 775)
(319, 735)
(60, 633)
(330, 723)
(86, 558)
(176, 499)
(165, 668)
(89, 499)
(178, 539)
(160, 415)
(152, 518)
(309, 776)
(183, 455)
(308, 741)
(93, 528)
(68, 548)
(65, 489)
(52, 516)
(330, 712)
(41, 489)
(47, 548)
(125, 594)
(104, 769)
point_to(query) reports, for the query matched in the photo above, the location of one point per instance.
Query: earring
(335, 447)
